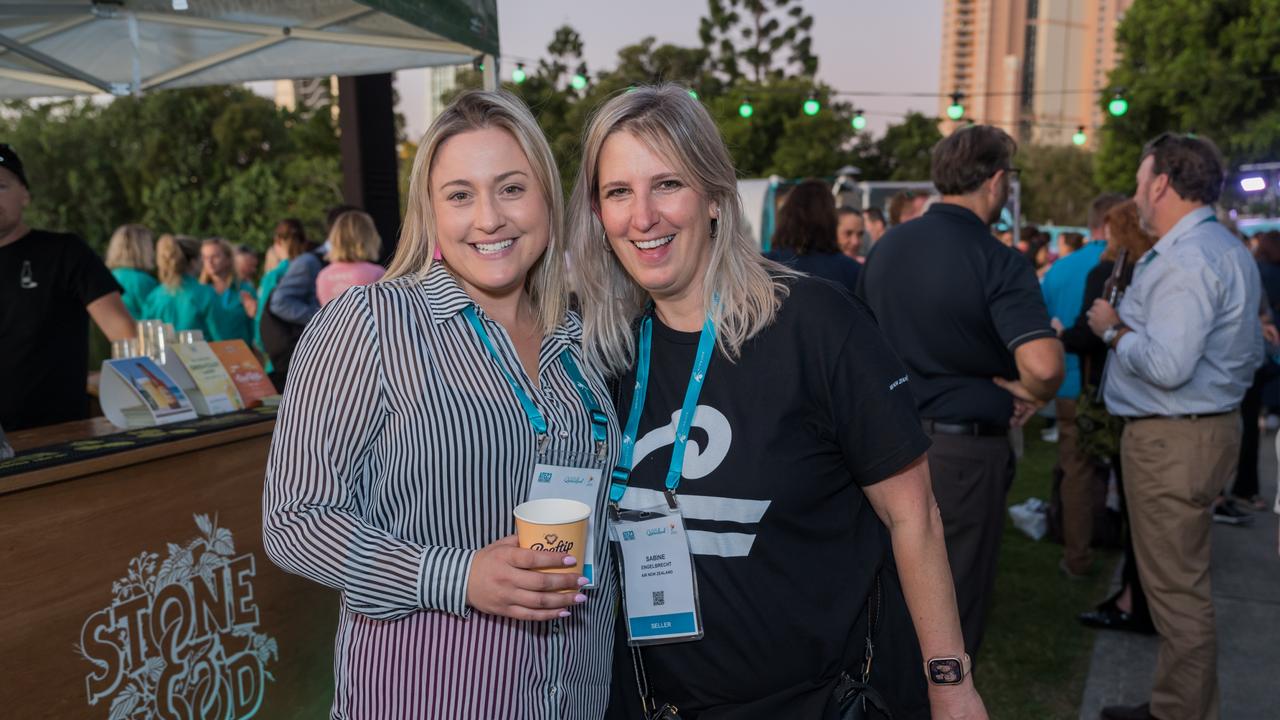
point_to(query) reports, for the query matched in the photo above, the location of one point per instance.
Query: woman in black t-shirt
(805, 443)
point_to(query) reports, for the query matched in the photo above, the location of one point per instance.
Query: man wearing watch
(1184, 346)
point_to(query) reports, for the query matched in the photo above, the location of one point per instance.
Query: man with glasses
(1184, 348)
(965, 314)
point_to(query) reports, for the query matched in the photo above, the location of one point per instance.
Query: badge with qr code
(659, 588)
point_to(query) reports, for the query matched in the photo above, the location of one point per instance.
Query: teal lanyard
(622, 473)
(599, 421)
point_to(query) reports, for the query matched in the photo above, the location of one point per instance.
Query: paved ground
(1246, 594)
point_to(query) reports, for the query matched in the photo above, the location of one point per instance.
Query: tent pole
(366, 118)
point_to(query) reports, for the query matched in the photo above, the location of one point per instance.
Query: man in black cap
(50, 285)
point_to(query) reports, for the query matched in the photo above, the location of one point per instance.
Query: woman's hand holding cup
(512, 581)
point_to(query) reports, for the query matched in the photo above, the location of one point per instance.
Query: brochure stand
(135, 392)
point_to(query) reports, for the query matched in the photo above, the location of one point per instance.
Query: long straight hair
(677, 128)
(479, 110)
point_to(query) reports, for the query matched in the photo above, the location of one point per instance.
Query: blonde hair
(749, 288)
(206, 275)
(132, 246)
(171, 261)
(354, 237)
(479, 110)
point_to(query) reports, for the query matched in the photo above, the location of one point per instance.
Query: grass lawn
(1035, 656)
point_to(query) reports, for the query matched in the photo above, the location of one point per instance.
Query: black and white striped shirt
(399, 451)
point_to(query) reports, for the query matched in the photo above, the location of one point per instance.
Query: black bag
(854, 698)
(279, 336)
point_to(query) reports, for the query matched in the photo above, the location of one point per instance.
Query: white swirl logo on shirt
(180, 639)
(699, 462)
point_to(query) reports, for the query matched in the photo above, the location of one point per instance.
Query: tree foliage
(205, 161)
(758, 40)
(903, 153)
(1057, 184)
(1207, 66)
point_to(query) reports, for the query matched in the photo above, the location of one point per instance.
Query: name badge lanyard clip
(659, 585)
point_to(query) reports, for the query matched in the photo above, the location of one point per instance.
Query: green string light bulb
(1118, 106)
(745, 109)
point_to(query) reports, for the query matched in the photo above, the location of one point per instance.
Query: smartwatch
(947, 670)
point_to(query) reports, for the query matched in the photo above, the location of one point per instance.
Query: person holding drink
(769, 423)
(420, 412)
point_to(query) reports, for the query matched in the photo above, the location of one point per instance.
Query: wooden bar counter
(134, 583)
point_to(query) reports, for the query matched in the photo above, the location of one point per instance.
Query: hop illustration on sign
(180, 637)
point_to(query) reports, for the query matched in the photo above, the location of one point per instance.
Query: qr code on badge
(659, 597)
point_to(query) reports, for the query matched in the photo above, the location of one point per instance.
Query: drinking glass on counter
(127, 348)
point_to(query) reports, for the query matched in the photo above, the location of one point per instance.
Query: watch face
(945, 671)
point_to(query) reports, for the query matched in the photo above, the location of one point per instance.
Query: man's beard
(1144, 211)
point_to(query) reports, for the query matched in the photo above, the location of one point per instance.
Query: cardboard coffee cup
(554, 525)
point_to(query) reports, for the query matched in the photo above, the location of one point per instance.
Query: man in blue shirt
(1184, 348)
(1063, 289)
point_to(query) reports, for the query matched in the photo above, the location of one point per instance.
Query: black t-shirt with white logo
(785, 543)
(46, 280)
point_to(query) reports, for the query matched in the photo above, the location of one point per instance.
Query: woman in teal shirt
(179, 299)
(131, 255)
(230, 319)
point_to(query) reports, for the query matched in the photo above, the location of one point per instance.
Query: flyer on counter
(136, 392)
(216, 392)
(245, 371)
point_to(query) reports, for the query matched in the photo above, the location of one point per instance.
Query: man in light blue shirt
(1063, 290)
(1185, 346)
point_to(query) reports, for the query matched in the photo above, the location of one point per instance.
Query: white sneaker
(1049, 434)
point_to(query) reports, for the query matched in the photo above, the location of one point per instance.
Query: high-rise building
(1033, 67)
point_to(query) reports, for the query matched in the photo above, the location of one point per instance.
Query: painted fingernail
(579, 598)
(582, 581)
(570, 560)
(564, 613)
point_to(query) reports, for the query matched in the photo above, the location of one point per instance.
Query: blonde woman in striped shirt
(416, 411)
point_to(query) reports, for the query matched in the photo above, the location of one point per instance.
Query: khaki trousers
(1173, 470)
(1079, 482)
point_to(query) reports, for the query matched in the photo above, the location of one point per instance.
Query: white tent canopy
(69, 47)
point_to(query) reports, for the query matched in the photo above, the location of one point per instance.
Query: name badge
(659, 589)
(572, 478)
